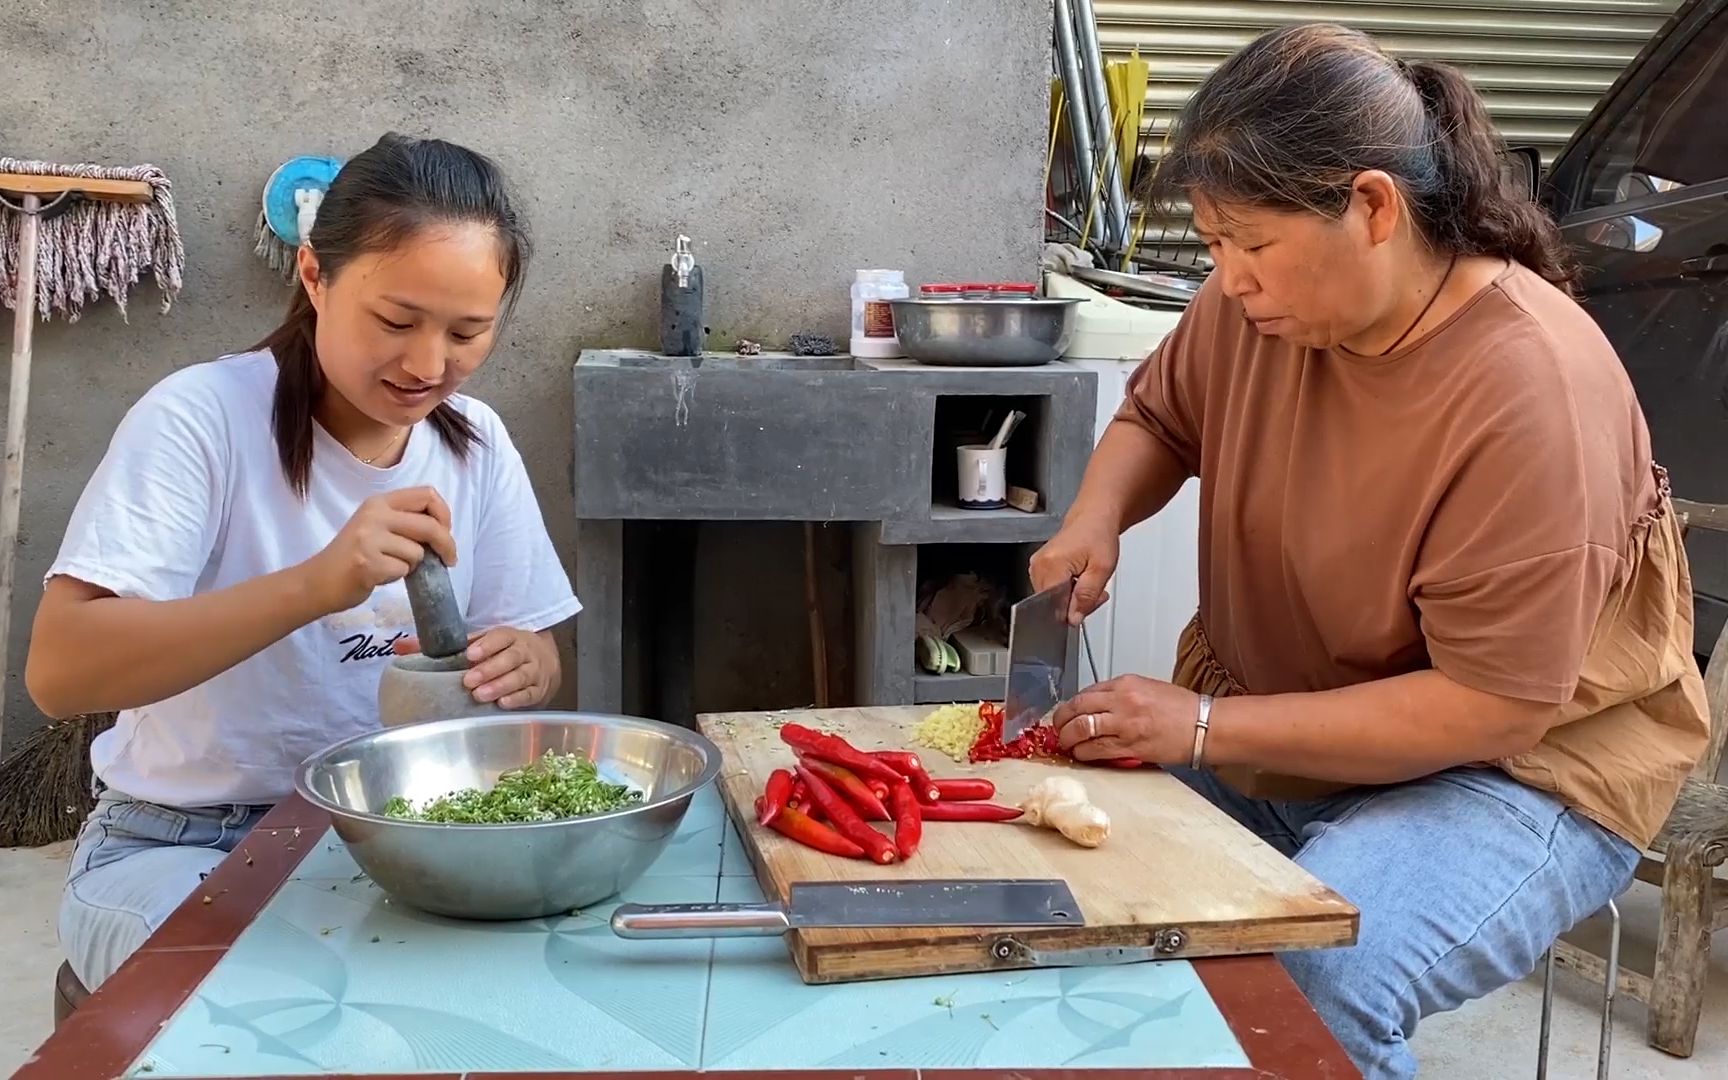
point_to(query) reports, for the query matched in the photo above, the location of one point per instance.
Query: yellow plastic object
(1127, 80)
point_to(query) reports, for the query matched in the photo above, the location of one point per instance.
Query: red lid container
(939, 290)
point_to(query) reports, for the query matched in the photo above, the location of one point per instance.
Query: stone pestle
(428, 685)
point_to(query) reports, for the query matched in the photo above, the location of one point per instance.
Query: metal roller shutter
(1541, 64)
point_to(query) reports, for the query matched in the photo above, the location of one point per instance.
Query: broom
(68, 234)
(45, 783)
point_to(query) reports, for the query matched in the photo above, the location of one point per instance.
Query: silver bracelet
(1202, 723)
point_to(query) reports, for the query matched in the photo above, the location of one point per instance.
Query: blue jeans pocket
(122, 826)
(130, 820)
(1536, 810)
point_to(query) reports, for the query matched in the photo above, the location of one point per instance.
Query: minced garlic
(952, 729)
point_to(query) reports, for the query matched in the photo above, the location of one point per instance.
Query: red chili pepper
(964, 789)
(1037, 741)
(833, 748)
(846, 820)
(878, 789)
(846, 782)
(775, 794)
(901, 761)
(799, 826)
(969, 811)
(800, 795)
(912, 769)
(908, 822)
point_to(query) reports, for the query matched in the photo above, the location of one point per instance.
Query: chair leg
(1547, 1017)
(1609, 984)
(1682, 954)
(1609, 988)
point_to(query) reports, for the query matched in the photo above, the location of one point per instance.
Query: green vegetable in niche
(557, 786)
(936, 656)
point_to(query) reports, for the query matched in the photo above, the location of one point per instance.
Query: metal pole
(1079, 123)
(1103, 119)
(17, 405)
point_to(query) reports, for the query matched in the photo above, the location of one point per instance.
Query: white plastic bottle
(872, 316)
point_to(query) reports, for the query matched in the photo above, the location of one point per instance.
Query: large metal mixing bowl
(985, 333)
(507, 871)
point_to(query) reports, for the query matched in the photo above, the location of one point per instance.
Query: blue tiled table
(299, 966)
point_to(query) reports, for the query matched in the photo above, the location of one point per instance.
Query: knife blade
(860, 904)
(1038, 639)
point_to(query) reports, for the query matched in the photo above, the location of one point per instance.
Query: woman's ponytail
(1467, 209)
(299, 381)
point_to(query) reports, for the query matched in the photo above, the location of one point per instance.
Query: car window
(1673, 136)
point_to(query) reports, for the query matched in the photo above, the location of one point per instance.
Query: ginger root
(1060, 803)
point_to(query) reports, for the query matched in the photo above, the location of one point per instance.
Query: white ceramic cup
(983, 477)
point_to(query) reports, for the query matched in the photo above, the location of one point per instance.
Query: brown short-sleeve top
(1482, 502)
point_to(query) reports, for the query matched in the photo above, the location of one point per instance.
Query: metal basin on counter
(511, 871)
(985, 333)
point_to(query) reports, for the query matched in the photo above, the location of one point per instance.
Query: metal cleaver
(855, 904)
(1038, 638)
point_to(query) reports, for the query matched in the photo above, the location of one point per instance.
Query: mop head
(97, 246)
(291, 198)
(45, 783)
(276, 254)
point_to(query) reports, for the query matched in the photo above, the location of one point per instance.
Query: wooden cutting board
(1177, 878)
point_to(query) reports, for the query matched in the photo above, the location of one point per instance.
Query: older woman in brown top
(1443, 656)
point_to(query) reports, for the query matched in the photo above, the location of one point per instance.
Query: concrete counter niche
(669, 449)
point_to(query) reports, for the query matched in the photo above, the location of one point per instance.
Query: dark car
(1641, 193)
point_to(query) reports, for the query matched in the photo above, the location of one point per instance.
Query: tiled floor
(1491, 1039)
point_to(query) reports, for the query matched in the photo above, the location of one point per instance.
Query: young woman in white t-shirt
(231, 579)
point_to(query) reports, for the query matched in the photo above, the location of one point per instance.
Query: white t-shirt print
(191, 498)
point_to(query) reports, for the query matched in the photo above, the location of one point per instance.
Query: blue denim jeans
(133, 864)
(1463, 880)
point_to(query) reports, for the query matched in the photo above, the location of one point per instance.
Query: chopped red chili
(1038, 741)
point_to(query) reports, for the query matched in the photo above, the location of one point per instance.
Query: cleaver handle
(699, 920)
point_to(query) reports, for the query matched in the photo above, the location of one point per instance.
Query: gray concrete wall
(794, 140)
